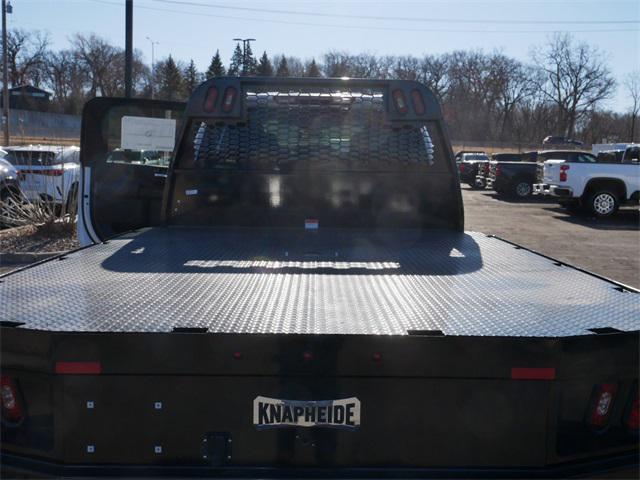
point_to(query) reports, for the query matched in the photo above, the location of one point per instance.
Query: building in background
(27, 97)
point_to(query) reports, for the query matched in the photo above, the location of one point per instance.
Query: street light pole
(245, 45)
(5, 72)
(153, 63)
(128, 47)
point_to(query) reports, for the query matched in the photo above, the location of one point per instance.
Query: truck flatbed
(326, 281)
(294, 296)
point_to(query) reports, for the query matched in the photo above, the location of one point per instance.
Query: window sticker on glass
(144, 133)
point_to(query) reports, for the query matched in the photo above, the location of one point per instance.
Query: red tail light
(632, 415)
(418, 102)
(486, 168)
(210, 100)
(400, 101)
(497, 171)
(12, 409)
(563, 172)
(601, 404)
(229, 99)
(461, 167)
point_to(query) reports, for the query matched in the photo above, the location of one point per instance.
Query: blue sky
(196, 28)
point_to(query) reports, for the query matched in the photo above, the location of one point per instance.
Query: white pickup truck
(598, 188)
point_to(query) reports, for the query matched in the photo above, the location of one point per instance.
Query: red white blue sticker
(311, 224)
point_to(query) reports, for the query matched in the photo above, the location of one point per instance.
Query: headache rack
(249, 147)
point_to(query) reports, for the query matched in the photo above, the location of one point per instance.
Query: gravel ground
(30, 239)
(607, 247)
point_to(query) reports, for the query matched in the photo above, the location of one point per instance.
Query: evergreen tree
(170, 80)
(216, 68)
(265, 69)
(283, 67)
(250, 65)
(235, 67)
(191, 77)
(312, 69)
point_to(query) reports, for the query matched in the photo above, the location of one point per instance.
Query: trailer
(294, 295)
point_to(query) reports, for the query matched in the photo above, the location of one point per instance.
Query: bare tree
(26, 55)
(434, 73)
(97, 56)
(512, 83)
(407, 68)
(632, 83)
(576, 79)
(67, 79)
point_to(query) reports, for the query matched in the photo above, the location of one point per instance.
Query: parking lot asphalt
(610, 248)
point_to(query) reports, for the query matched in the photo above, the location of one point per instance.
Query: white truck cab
(600, 188)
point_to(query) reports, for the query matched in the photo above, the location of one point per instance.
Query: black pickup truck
(469, 164)
(516, 176)
(294, 295)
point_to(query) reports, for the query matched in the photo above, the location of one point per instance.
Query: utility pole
(245, 44)
(6, 8)
(153, 64)
(128, 47)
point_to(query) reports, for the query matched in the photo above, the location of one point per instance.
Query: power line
(402, 19)
(362, 27)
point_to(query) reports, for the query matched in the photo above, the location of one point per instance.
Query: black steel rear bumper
(619, 466)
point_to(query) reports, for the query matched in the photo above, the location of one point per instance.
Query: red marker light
(237, 355)
(210, 100)
(377, 357)
(229, 99)
(78, 368)
(533, 373)
(400, 101)
(418, 102)
(307, 356)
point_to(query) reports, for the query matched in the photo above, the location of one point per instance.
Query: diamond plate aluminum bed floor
(321, 282)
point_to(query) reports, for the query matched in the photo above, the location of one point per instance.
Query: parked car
(460, 153)
(516, 177)
(596, 148)
(9, 185)
(48, 173)
(560, 140)
(468, 167)
(484, 169)
(598, 188)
